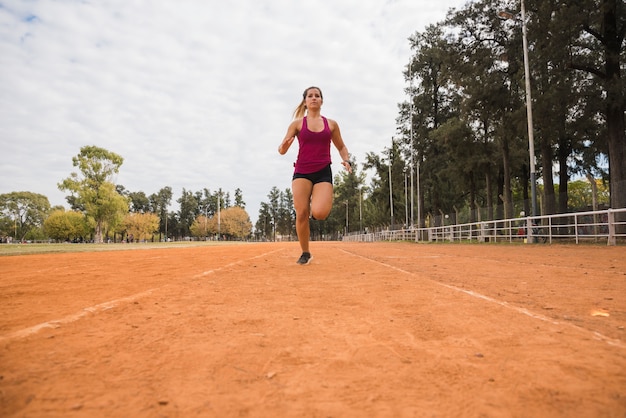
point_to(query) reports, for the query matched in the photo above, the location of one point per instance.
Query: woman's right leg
(302, 189)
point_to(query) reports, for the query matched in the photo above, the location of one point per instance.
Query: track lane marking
(595, 335)
(23, 333)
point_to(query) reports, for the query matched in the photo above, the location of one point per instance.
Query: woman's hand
(347, 166)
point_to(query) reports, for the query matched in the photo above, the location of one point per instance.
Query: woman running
(312, 183)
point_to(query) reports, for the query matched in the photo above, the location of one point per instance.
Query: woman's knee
(302, 212)
(322, 201)
(319, 214)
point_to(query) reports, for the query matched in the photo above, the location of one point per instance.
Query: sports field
(366, 330)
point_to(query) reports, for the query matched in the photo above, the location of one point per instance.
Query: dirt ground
(366, 330)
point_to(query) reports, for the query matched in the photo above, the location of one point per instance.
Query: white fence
(606, 226)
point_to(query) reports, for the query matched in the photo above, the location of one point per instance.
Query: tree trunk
(525, 181)
(549, 201)
(98, 237)
(489, 197)
(472, 197)
(499, 208)
(562, 154)
(617, 158)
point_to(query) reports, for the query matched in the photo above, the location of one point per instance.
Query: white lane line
(596, 335)
(108, 305)
(234, 263)
(74, 317)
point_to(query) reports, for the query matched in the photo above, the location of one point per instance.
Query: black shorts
(325, 175)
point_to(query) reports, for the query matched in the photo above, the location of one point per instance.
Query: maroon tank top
(314, 152)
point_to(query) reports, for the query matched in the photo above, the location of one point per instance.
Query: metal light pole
(361, 210)
(529, 108)
(419, 205)
(406, 201)
(219, 220)
(390, 191)
(346, 203)
(412, 164)
(206, 216)
(529, 115)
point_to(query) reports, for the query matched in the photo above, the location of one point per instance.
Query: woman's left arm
(340, 145)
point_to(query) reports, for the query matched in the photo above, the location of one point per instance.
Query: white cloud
(194, 94)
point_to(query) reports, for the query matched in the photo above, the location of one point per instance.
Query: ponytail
(300, 110)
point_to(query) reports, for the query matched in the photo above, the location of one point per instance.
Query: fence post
(611, 222)
(576, 227)
(529, 230)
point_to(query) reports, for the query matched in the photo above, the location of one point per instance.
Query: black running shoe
(305, 258)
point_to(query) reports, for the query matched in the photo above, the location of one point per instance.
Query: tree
(274, 209)
(239, 198)
(378, 201)
(187, 213)
(264, 224)
(598, 50)
(138, 202)
(66, 226)
(92, 191)
(347, 195)
(23, 212)
(582, 195)
(485, 153)
(286, 214)
(236, 223)
(141, 226)
(203, 226)
(434, 101)
(159, 203)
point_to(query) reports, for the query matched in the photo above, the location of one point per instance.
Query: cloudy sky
(195, 93)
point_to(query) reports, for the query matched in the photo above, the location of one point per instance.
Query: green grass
(25, 249)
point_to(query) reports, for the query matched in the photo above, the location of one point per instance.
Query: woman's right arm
(290, 136)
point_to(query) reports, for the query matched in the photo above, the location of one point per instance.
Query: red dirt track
(366, 330)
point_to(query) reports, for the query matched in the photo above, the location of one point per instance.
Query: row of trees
(464, 127)
(101, 210)
(359, 207)
(28, 216)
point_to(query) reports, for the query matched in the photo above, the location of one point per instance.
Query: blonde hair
(301, 109)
